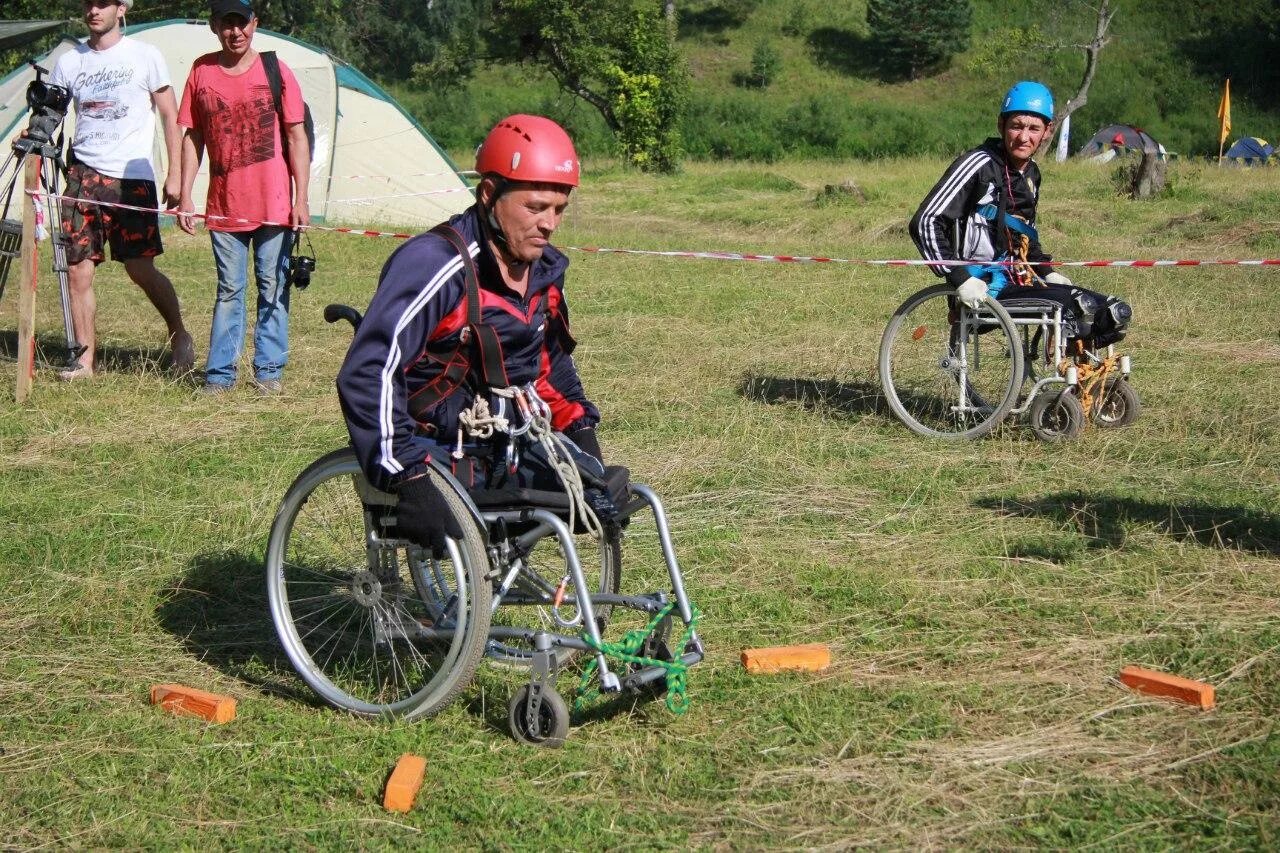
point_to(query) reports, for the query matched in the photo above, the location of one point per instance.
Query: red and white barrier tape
(216, 218)
(916, 262)
(720, 256)
(369, 201)
(464, 173)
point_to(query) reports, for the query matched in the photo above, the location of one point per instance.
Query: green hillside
(1162, 71)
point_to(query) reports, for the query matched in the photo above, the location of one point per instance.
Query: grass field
(979, 599)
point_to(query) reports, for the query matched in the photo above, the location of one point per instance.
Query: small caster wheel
(1117, 406)
(1057, 417)
(550, 725)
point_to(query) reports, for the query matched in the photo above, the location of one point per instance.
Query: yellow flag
(1224, 113)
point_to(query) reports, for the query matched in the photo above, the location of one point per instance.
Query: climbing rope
(627, 651)
(1093, 378)
(480, 423)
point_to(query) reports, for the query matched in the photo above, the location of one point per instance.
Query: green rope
(626, 650)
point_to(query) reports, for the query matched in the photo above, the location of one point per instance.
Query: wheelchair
(952, 372)
(380, 627)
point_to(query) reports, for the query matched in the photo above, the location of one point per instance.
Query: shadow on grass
(845, 52)
(714, 20)
(218, 609)
(844, 398)
(51, 353)
(1104, 520)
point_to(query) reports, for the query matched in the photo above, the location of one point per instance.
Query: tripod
(52, 174)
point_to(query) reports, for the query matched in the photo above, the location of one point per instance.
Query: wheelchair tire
(550, 729)
(922, 357)
(346, 600)
(1117, 406)
(1056, 416)
(604, 575)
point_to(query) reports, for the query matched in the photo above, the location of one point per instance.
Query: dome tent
(373, 162)
(1250, 151)
(1116, 139)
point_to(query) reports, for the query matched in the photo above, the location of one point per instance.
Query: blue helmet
(1031, 97)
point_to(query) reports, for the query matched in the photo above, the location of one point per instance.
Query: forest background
(660, 81)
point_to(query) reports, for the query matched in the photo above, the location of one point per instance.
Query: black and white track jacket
(957, 219)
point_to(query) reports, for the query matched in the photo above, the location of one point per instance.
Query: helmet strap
(490, 218)
(493, 232)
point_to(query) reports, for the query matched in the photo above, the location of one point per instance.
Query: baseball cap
(127, 4)
(218, 8)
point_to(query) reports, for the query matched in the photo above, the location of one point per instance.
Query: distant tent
(1116, 139)
(1250, 151)
(373, 164)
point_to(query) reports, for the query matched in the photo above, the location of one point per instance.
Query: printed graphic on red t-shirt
(244, 133)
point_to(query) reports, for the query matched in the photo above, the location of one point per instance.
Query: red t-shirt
(248, 175)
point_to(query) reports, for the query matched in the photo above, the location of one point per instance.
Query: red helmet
(529, 148)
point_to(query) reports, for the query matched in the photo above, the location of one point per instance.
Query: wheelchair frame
(952, 402)
(396, 631)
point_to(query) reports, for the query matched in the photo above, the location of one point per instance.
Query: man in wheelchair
(983, 209)
(468, 329)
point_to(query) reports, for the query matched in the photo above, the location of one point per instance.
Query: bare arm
(192, 154)
(167, 108)
(300, 171)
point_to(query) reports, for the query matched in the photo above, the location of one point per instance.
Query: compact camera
(301, 266)
(48, 105)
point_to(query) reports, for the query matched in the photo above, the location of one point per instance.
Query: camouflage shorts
(89, 227)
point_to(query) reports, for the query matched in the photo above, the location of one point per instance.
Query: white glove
(972, 292)
(1057, 278)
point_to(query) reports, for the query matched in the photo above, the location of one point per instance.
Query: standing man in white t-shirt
(116, 84)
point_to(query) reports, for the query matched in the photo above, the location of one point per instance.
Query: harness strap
(492, 368)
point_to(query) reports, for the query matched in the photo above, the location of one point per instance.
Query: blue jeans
(271, 333)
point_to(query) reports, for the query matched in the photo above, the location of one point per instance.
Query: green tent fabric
(17, 33)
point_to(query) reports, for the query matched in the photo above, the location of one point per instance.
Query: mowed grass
(979, 598)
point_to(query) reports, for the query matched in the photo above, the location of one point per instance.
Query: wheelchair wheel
(345, 597)
(1056, 416)
(947, 371)
(1117, 406)
(550, 728)
(528, 603)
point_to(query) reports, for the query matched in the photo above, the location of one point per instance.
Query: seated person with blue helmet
(984, 209)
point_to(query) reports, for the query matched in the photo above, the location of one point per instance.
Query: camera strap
(488, 346)
(297, 245)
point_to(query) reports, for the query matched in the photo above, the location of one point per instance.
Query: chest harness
(1011, 267)
(528, 418)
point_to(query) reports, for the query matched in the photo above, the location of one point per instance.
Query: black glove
(585, 438)
(423, 516)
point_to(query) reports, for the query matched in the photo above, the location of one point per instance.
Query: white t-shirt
(115, 124)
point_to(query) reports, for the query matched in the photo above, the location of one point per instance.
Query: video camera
(48, 105)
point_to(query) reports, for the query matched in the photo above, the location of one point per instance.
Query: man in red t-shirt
(256, 176)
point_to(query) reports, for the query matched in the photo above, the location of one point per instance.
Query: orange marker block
(814, 656)
(404, 783)
(180, 699)
(1173, 686)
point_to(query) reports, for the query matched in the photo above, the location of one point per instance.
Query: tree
(1092, 50)
(916, 37)
(620, 57)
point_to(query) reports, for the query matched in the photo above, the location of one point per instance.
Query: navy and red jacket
(956, 222)
(414, 325)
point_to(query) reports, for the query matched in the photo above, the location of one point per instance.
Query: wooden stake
(29, 260)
